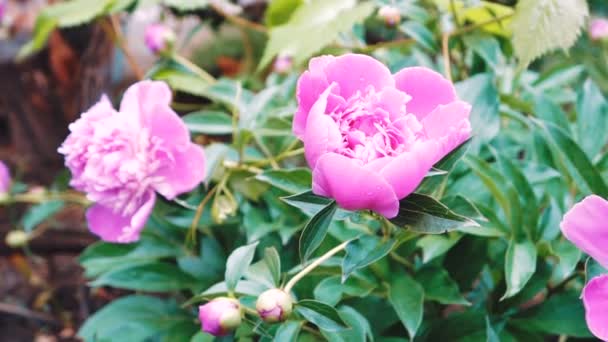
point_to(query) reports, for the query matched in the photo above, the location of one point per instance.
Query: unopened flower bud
(283, 64)
(390, 15)
(220, 316)
(16, 238)
(598, 29)
(159, 38)
(274, 305)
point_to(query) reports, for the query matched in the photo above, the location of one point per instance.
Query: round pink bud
(283, 64)
(274, 305)
(390, 15)
(598, 29)
(5, 178)
(220, 316)
(159, 38)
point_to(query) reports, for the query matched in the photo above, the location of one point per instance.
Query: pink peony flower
(371, 137)
(5, 178)
(120, 159)
(158, 37)
(220, 316)
(586, 225)
(598, 29)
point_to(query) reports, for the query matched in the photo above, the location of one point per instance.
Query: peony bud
(283, 64)
(274, 305)
(598, 29)
(16, 238)
(5, 178)
(220, 316)
(390, 15)
(159, 38)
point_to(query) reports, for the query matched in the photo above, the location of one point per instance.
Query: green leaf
(182, 81)
(273, 261)
(481, 93)
(315, 230)
(314, 31)
(293, 181)
(244, 288)
(187, 5)
(491, 335)
(543, 26)
(154, 276)
(322, 315)
(593, 269)
(331, 289)
(520, 264)
(42, 30)
(486, 46)
(561, 314)
(568, 257)
(592, 121)
(360, 328)
(407, 298)
(40, 212)
(364, 251)
(237, 264)
(424, 214)
(288, 332)
(279, 11)
(438, 286)
(578, 159)
(209, 122)
(431, 184)
(420, 33)
(434, 246)
(136, 318)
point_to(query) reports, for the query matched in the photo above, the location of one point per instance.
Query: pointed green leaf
(315, 230)
(237, 264)
(407, 298)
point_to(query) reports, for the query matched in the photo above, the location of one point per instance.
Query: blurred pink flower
(120, 159)
(391, 15)
(586, 226)
(283, 64)
(5, 178)
(220, 316)
(2, 9)
(159, 37)
(598, 28)
(371, 137)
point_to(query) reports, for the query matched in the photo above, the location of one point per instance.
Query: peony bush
(366, 171)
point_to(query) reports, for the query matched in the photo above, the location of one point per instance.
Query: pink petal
(586, 226)
(595, 298)
(322, 134)
(5, 178)
(394, 102)
(449, 125)
(407, 170)
(352, 186)
(142, 97)
(427, 88)
(598, 28)
(311, 85)
(167, 125)
(113, 227)
(355, 72)
(184, 174)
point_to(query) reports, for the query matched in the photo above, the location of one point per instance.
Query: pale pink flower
(598, 29)
(120, 159)
(370, 136)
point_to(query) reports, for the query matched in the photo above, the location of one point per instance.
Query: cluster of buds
(222, 315)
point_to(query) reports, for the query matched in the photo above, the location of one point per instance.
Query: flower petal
(427, 88)
(595, 298)
(113, 227)
(407, 170)
(355, 72)
(449, 124)
(167, 125)
(322, 134)
(185, 173)
(311, 84)
(142, 97)
(352, 186)
(586, 226)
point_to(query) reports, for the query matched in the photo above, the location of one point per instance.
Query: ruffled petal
(142, 97)
(355, 72)
(407, 170)
(586, 226)
(185, 173)
(164, 123)
(449, 125)
(352, 186)
(322, 134)
(113, 227)
(595, 298)
(427, 88)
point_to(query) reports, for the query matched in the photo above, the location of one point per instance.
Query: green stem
(194, 68)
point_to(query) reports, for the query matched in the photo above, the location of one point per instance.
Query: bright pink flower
(371, 137)
(586, 225)
(595, 298)
(158, 37)
(5, 178)
(220, 316)
(598, 29)
(120, 159)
